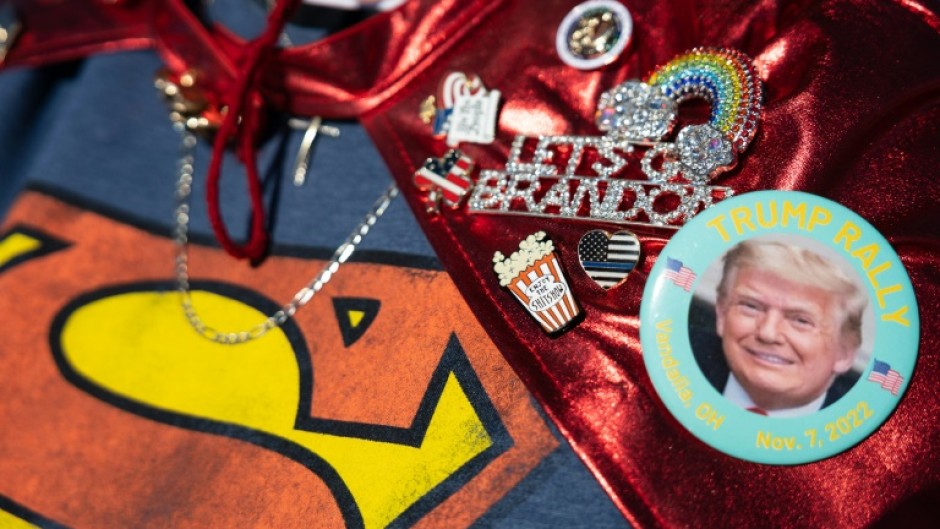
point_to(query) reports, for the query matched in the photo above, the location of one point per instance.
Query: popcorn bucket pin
(535, 277)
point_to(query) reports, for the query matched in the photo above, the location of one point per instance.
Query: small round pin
(594, 34)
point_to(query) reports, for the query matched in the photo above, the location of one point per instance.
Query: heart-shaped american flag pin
(606, 258)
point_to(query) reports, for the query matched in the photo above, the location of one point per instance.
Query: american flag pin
(445, 179)
(608, 259)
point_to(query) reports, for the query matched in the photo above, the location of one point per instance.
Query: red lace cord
(243, 124)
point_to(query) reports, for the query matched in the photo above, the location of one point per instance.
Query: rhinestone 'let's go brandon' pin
(779, 327)
(589, 178)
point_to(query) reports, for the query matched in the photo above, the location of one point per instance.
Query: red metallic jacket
(851, 113)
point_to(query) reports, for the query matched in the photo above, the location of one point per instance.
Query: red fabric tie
(243, 123)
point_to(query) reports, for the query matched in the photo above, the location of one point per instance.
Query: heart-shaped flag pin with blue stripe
(606, 258)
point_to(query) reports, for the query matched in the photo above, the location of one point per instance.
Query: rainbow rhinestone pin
(648, 111)
(587, 177)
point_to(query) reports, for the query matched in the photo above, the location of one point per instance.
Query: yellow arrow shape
(15, 245)
(355, 318)
(11, 521)
(21, 243)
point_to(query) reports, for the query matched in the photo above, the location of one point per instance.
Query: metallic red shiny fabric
(852, 113)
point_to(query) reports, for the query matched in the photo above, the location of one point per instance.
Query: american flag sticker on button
(535, 277)
(446, 179)
(682, 276)
(889, 379)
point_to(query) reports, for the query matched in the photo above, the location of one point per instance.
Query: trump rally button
(779, 327)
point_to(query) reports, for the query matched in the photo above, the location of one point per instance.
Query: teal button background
(743, 434)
